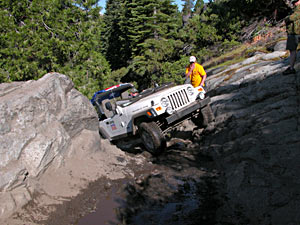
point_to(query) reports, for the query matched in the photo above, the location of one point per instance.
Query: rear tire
(152, 137)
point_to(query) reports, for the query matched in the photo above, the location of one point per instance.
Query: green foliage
(116, 76)
(257, 8)
(188, 6)
(174, 71)
(228, 45)
(142, 22)
(224, 16)
(116, 46)
(199, 33)
(230, 16)
(199, 6)
(142, 37)
(38, 37)
(149, 66)
(143, 41)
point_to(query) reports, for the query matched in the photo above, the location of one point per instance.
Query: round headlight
(190, 90)
(169, 110)
(201, 95)
(164, 102)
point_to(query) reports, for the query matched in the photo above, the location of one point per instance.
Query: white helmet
(192, 59)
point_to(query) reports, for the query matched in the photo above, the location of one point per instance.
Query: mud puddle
(184, 202)
(157, 199)
(183, 189)
(167, 200)
(105, 211)
(110, 200)
(178, 187)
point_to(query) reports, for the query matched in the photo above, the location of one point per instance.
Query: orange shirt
(196, 75)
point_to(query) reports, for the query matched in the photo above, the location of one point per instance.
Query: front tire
(152, 137)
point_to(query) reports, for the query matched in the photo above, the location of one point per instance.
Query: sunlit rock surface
(39, 121)
(255, 140)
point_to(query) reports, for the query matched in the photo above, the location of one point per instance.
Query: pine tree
(159, 46)
(187, 11)
(141, 22)
(199, 6)
(52, 35)
(167, 21)
(140, 28)
(114, 35)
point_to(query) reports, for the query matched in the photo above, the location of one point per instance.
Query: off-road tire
(152, 137)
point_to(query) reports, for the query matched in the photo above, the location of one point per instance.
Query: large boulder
(255, 142)
(40, 124)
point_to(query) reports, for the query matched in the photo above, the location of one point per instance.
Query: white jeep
(149, 115)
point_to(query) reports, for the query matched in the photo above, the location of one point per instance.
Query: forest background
(139, 41)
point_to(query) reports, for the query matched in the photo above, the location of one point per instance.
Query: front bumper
(187, 110)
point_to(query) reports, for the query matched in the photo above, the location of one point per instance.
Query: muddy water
(105, 212)
(177, 189)
(171, 210)
(179, 199)
(190, 201)
(112, 200)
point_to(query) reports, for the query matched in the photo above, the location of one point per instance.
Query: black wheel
(203, 118)
(152, 137)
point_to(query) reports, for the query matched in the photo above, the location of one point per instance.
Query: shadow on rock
(182, 189)
(160, 199)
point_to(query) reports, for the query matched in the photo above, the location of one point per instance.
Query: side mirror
(108, 106)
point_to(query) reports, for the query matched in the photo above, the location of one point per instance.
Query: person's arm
(203, 75)
(189, 70)
(203, 80)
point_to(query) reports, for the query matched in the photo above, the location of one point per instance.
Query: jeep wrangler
(149, 116)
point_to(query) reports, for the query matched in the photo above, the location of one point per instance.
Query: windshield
(111, 92)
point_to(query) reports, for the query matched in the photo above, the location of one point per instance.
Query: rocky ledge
(255, 140)
(50, 146)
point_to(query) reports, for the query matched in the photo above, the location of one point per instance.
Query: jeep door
(116, 126)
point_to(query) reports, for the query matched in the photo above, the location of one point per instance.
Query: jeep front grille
(178, 99)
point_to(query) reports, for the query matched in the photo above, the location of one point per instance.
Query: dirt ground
(178, 187)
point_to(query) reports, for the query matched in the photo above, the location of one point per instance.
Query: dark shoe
(289, 71)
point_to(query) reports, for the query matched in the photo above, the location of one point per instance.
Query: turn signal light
(201, 89)
(151, 113)
(158, 108)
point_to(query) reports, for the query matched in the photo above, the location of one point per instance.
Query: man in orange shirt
(196, 73)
